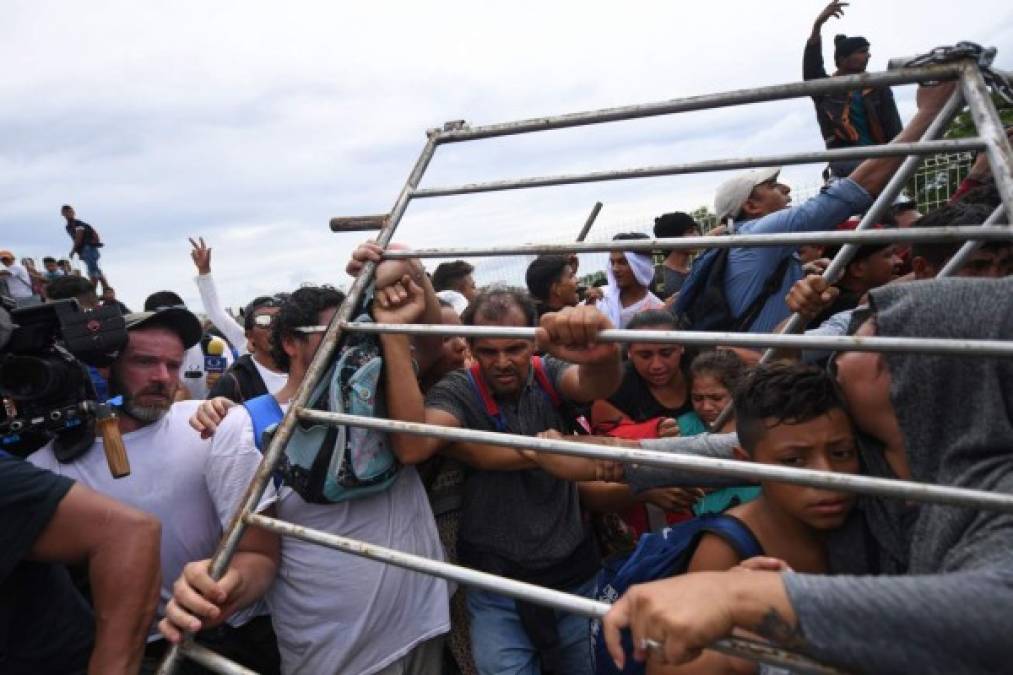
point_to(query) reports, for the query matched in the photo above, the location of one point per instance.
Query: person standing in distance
(86, 244)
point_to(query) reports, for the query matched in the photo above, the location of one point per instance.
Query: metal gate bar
(776, 92)
(961, 257)
(750, 471)
(318, 366)
(991, 138)
(949, 346)
(749, 649)
(861, 152)
(837, 267)
(957, 233)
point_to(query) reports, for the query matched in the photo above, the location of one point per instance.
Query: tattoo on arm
(774, 628)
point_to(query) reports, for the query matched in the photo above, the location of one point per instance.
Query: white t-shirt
(334, 612)
(193, 374)
(178, 478)
(19, 284)
(272, 380)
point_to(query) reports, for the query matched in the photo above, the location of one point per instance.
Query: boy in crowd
(792, 415)
(937, 569)
(674, 268)
(456, 276)
(552, 282)
(52, 269)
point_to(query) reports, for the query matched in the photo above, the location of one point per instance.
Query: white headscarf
(612, 307)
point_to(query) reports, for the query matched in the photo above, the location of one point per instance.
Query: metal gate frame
(991, 138)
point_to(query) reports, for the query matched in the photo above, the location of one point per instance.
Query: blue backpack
(331, 464)
(659, 556)
(703, 303)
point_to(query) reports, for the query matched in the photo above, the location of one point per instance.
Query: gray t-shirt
(674, 280)
(526, 517)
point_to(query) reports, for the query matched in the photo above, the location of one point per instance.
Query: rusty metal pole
(590, 221)
(990, 129)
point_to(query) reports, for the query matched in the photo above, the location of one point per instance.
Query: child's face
(825, 443)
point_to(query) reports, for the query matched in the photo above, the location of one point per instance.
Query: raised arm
(230, 328)
(427, 347)
(120, 545)
(812, 61)
(570, 335)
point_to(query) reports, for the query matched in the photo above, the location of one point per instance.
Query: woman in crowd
(653, 401)
(714, 376)
(655, 384)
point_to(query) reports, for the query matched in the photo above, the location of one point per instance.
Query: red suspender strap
(491, 407)
(543, 380)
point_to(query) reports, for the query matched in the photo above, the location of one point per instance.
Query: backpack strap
(748, 317)
(485, 396)
(544, 382)
(264, 413)
(735, 533)
(577, 420)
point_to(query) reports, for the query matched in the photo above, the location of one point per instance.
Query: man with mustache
(517, 520)
(173, 476)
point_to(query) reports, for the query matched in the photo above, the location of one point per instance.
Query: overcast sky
(252, 123)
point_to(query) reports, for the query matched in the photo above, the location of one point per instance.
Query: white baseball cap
(734, 192)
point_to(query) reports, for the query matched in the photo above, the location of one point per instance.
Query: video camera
(47, 391)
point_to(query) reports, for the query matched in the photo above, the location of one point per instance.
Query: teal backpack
(331, 464)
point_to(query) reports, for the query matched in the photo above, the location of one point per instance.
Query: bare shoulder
(713, 554)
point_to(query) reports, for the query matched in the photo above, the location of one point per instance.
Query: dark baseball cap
(177, 319)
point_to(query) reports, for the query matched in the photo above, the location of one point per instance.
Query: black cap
(177, 319)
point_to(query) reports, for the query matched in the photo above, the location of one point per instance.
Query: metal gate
(991, 138)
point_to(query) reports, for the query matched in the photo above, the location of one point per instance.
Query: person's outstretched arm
(223, 321)
(571, 335)
(121, 546)
(812, 58)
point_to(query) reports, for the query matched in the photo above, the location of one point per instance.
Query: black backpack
(703, 303)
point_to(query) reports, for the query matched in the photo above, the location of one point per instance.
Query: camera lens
(27, 378)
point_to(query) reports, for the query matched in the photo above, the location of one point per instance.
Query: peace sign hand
(201, 256)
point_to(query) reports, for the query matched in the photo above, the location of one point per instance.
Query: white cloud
(255, 122)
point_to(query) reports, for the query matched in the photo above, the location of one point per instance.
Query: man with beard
(173, 475)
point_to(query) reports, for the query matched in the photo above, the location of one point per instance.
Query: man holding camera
(173, 476)
(45, 624)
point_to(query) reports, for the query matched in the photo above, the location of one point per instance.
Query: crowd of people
(868, 584)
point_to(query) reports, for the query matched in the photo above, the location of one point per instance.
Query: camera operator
(45, 624)
(175, 477)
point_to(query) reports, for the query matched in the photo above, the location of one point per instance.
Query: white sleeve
(232, 464)
(222, 320)
(45, 459)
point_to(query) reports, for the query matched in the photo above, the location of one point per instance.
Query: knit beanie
(845, 46)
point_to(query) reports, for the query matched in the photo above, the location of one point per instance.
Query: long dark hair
(652, 318)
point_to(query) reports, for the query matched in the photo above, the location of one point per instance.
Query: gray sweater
(953, 613)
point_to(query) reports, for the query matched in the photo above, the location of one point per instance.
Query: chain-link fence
(931, 187)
